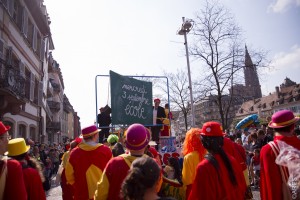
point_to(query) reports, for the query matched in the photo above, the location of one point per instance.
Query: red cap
(153, 151)
(78, 140)
(3, 128)
(212, 129)
(156, 100)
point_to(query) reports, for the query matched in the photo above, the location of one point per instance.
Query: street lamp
(187, 25)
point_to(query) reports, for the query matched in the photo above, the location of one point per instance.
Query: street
(55, 192)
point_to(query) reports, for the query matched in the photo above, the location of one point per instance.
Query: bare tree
(178, 92)
(218, 44)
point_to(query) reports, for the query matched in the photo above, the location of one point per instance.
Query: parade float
(131, 102)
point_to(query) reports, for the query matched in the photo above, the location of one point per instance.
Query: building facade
(29, 81)
(286, 96)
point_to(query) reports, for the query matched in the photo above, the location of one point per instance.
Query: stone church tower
(251, 77)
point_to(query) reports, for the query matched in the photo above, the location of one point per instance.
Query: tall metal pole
(189, 75)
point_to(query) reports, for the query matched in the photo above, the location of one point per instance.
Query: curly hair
(193, 142)
(143, 174)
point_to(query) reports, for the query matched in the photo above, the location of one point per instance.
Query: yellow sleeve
(69, 171)
(65, 158)
(190, 163)
(102, 188)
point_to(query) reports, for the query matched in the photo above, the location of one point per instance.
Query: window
(36, 88)
(33, 133)
(27, 83)
(22, 131)
(30, 32)
(15, 10)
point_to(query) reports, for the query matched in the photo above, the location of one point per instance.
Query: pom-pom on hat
(137, 137)
(282, 119)
(78, 140)
(212, 129)
(17, 147)
(3, 128)
(112, 138)
(89, 131)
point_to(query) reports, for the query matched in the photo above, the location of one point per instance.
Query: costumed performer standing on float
(158, 116)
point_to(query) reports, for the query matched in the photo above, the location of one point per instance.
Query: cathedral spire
(251, 77)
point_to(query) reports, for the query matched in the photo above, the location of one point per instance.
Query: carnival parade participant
(166, 127)
(104, 120)
(86, 164)
(143, 180)
(12, 185)
(109, 186)
(193, 152)
(67, 189)
(32, 171)
(158, 116)
(218, 176)
(271, 182)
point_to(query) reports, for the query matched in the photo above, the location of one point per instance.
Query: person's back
(109, 186)
(214, 185)
(219, 175)
(14, 185)
(193, 152)
(283, 123)
(86, 164)
(11, 176)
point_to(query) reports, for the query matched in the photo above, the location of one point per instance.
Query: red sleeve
(270, 177)
(15, 186)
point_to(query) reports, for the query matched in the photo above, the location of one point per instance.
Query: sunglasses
(8, 137)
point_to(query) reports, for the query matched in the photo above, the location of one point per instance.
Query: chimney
(277, 91)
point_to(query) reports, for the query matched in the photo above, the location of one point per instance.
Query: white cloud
(281, 6)
(284, 64)
(290, 60)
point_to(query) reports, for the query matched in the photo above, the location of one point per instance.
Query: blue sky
(138, 37)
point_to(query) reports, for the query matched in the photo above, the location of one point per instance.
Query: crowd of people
(214, 164)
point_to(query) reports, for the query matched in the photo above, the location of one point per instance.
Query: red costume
(85, 167)
(214, 185)
(14, 186)
(236, 151)
(67, 189)
(33, 184)
(115, 172)
(270, 177)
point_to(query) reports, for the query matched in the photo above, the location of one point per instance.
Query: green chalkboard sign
(131, 100)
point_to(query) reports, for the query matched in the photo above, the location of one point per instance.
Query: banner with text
(131, 100)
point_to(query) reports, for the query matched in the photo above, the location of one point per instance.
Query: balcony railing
(54, 106)
(53, 126)
(56, 87)
(12, 81)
